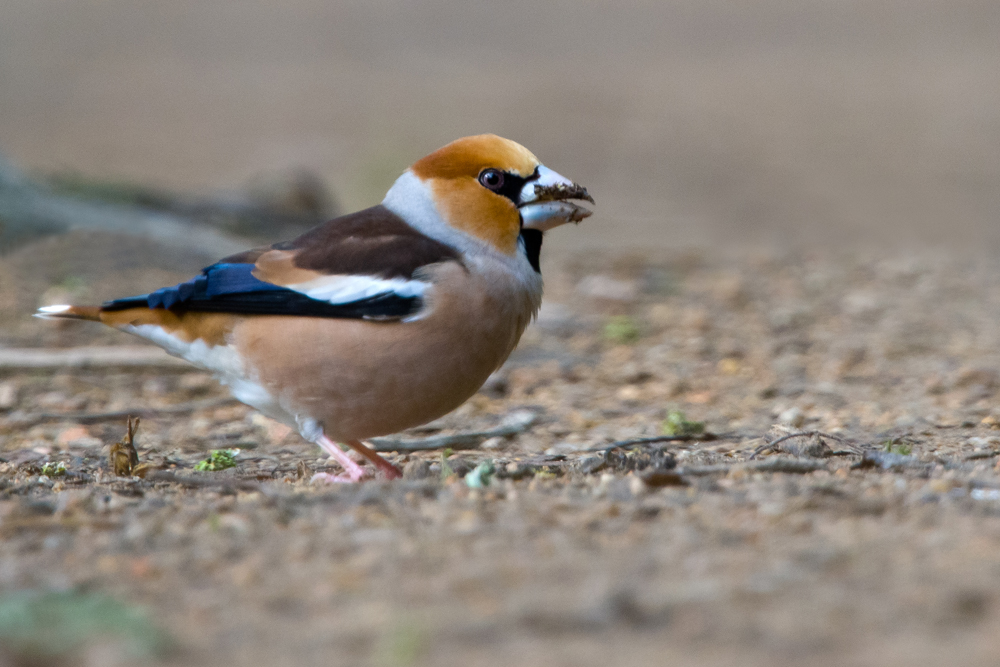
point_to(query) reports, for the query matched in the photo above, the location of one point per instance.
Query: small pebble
(793, 417)
(942, 485)
(637, 486)
(417, 469)
(493, 443)
(8, 395)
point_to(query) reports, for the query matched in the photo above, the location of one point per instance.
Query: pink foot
(390, 471)
(354, 471)
(327, 478)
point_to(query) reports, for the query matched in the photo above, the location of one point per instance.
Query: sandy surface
(855, 132)
(568, 557)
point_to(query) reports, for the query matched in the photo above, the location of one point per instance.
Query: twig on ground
(771, 446)
(95, 356)
(794, 466)
(515, 423)
(692, 437)
(985, 454)
(889, 461)
(178, 408)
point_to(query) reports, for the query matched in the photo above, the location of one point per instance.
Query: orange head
(490, 188)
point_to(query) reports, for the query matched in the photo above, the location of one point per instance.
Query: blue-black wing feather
(232, 288)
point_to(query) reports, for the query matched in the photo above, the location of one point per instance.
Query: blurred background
(692, 122)
(797, 227)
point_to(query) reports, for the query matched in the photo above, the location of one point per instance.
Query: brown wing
(372, 242)
(358, 265)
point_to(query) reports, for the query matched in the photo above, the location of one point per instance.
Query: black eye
(492, 179)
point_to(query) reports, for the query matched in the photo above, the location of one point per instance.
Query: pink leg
(354, 471)
(390, 471)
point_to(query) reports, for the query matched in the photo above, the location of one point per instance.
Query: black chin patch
(531, 239)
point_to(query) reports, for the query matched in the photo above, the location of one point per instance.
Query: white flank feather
(223, 362)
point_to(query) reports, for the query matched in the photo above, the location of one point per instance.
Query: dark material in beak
(560, 192)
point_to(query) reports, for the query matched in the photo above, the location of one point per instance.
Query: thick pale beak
(545, 201)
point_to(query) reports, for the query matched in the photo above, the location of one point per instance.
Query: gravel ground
(877, 542)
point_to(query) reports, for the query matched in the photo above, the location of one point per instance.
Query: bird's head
(494, 189)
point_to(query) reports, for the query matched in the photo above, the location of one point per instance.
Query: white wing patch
(348, 289)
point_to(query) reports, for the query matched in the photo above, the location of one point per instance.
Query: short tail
(70, 313)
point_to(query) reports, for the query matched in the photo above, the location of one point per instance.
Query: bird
(378, 320)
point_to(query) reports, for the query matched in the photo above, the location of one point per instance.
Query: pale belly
(360, 379)
(356, 379)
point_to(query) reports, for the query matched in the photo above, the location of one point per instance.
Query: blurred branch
(128, 356)
(792, 466)
(515, 423)
(30, 209)
(21, 420)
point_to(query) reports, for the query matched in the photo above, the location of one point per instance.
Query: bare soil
(880, 544)
(692, 123)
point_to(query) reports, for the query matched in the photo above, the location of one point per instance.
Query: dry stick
(974, 456)
(179, 408)
(517, 422)
(696, 437)
(795, 466)
(770, 446)
(707, 437)
(93, 356)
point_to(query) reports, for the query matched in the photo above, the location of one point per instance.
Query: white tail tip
(62, 312)
(52, 312)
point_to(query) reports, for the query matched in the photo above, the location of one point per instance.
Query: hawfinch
(379, 320)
